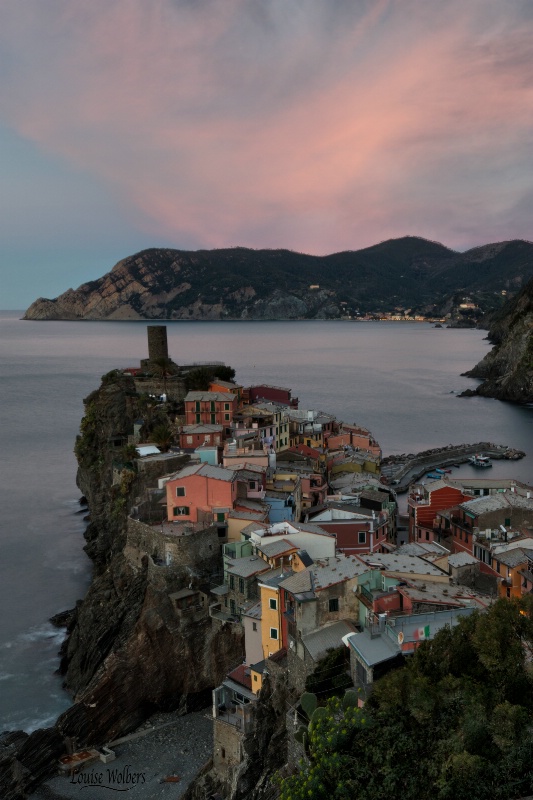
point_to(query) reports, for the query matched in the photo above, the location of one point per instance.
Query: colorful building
(210, 408)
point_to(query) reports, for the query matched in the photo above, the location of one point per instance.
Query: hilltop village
(288, 509)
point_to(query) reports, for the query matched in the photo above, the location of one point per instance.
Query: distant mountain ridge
(241, 283)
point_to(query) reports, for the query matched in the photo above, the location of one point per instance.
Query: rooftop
(247, 566)
(326, 638)
(278, 548)
(206, 470)
(461, 559)
(422, 549)
(202, 429)
(210, 397)
(513, 558)
(325, 572)
(372, 649)
(431, 592)
(496, 502)
(253, 611)
(403, 564)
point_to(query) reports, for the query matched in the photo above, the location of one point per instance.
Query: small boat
(433, 476)
(440, 471)
(480, 461)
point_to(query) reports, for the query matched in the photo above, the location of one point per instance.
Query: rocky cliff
(507, 370)
(129, 652)
(240, 283)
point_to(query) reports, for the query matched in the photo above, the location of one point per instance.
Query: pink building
(201, 490)
(193, 436)
(206, 493)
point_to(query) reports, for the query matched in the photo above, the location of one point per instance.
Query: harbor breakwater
(401, 470)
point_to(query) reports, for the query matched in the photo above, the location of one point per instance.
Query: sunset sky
(316, 125)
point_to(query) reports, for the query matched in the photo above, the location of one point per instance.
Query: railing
(366, 593)
(236, 715)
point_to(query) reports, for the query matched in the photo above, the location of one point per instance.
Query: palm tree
(162, 436)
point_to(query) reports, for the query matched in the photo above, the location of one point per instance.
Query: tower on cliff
(157, 342)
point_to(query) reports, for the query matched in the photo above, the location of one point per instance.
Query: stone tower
(157, 342)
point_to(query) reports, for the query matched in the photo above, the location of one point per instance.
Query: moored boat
(480, 461)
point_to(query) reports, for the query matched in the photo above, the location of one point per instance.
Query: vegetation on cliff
(240, 283)
(456, 723)
(507, 370)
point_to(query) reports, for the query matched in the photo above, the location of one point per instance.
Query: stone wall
(174, 386)
(227, 748)
(199, 550)
(298, 669)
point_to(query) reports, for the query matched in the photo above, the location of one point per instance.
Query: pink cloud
(315, 126)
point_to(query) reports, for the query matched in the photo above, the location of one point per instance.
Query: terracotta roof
(241, 674)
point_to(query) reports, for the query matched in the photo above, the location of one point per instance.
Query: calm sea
(398, 379)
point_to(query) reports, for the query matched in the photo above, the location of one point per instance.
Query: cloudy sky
(317, 125)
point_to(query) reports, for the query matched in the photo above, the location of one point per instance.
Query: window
(273, 633)
(197, 405)
(221, 517)
(180, 491)
(362, 537)
(181, 511)
(189, 439)
(466, 538)
(334, 604)
(254, 626)
(241, 585)
(198, 419)
(226, 416)
(226, 406)
(213, 419)
(427, 536)
(231, 582)
(222, 752)
(507, 522)
(212, 406)
(273, 603)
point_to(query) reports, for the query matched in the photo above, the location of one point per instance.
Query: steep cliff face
(126, 641)
(507, 370)
(240, 283)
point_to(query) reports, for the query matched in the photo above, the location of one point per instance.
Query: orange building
(210, 408)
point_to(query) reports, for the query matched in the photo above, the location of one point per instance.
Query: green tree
(455, 723)
(163, 436)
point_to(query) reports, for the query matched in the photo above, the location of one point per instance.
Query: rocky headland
(506, 371)
(410, 273)
(128, 653)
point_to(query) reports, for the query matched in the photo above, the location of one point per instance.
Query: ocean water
(398, 379)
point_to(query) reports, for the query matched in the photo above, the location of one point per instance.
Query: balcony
(366, 593)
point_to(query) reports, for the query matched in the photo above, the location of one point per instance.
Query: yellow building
(271, 614)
